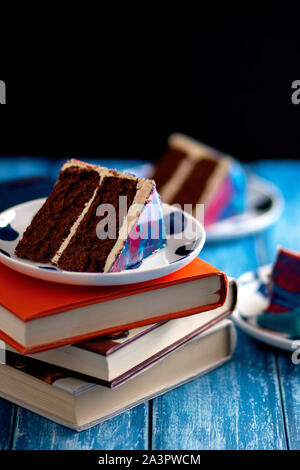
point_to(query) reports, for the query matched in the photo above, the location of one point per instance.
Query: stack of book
(80, 355)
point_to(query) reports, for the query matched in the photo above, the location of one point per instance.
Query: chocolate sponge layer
(192, 189)
(167, 166)
(52, 223)
(86, 252)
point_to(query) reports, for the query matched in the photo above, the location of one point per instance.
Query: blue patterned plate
(253, 300)
(185, 240)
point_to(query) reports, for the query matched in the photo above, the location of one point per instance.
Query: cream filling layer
(195, 151)
(73, 229)
(181, 174)
(191, 147)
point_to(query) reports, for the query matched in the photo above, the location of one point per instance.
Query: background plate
(185, 235)
(265, 205)
(252, 301)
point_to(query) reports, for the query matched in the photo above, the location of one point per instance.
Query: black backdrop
(230, 87)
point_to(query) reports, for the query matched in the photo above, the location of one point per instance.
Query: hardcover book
(116, 358)
(79, 405)
(36, 315)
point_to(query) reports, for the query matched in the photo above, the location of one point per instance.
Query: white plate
(265, 205)
(182, 247)
(252, 301)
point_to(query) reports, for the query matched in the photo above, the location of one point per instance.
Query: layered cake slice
(95, 220)
(283, 312)
(193, 173)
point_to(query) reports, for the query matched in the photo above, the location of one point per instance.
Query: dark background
(226, 82)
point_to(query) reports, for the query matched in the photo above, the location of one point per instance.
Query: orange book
(37, 315)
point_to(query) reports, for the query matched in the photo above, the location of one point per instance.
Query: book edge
(55, 344)
(115, 346)
(162, 282)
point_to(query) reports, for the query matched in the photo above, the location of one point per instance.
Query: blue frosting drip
(136, 265)
(145, 238)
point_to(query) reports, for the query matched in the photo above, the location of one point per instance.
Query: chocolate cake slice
(193, 173)
(95, 220)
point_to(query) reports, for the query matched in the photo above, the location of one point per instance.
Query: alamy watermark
(119, 223)
(296, 94)
(296, 353)
(2, 353)
(2, 92)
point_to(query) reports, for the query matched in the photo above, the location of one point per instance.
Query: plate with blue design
(253, 300)
(185, 240)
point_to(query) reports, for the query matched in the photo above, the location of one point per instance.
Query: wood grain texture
(7, 412)
(286, 232)
(290, 387)
(250, 403)
(235, 407)
(234, 257)
(129, 431)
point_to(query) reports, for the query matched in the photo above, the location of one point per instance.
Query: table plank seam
(13, 428)
(262, 254)
(282, 403)
(150, 424)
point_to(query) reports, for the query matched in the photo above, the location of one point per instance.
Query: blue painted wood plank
(234, 257)
(286, 233)
(129, 431)
(285, 175)
(235, 407)
(7, 412)
(290, 386)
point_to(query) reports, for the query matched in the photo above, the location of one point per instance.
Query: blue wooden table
(253, 402)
